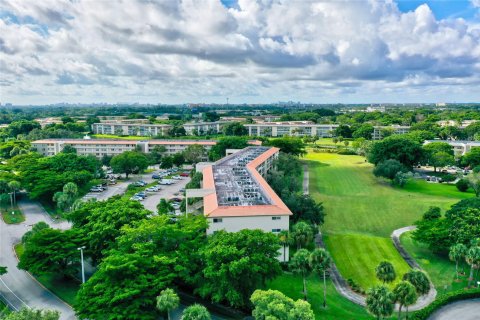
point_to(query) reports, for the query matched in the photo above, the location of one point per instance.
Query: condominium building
(242, 199)
(459, 147)
(453, 123)
(131, 129)
(379, 131)
(195, 128)
(290, 128)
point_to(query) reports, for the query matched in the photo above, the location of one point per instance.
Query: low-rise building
(242, 199)
(459, 147)
(131, 129)
(199, 128)
(379, 131)
(453, 123)
(291, 128)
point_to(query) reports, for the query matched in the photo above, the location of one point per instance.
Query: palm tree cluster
(168, 301)
(459, 252)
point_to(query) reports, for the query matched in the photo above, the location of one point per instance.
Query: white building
(459, 147)
(290, 128)
(396, 129)
(242, 199)
(199, 128)
(453, 123)
(131, 129)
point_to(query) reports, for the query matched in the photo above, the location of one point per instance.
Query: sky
(205, 51)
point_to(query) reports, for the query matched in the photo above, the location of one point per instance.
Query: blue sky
(250, 51)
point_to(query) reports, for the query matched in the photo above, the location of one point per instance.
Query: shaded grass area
(12, 216)
(65, 289)
(436, 189)
(362, 211)
(440, 269)
(337, 306)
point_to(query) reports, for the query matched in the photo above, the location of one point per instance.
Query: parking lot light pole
(83, 267)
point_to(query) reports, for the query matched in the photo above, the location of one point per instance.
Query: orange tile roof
(87, 141)
(277, 207)
(184, 142)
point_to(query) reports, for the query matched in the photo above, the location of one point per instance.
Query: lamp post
(81, 258)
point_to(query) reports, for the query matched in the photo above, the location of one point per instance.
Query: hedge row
(444, 300)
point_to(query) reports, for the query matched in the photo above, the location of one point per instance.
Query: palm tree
(405, 294)
(300, 264)
(385, 272)
(473, 259)
(380, 301)
(196, 312)
(457, 252)
(167, 301)
(284, 238)
(302, 234)
(14, 186)
(320, 261)
(419, 280)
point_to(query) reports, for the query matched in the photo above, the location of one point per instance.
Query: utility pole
(83, 267)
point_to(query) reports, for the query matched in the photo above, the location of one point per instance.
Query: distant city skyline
(208, 51)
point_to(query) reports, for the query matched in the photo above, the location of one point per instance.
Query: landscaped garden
(12, 216)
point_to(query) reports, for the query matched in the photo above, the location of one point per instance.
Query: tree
(167, 301)
(320, 262)
(272, 304)
(157, 153)
(284, 238)
(210, 116)
(178, 159)
(364, 131)
(196, 312)
(14, 186)
(66, 198)
(33, 314)
(419, 280)
(164, 207)
(474, 182)
(51, 251)
(472, 257)
(380, 302)
(300, 264)
(462, 185)
(389, 168)
(290, 145)
(397, 147)
(385, 272)
(457, 253)
(3, 270)
(218, 150)
(438, 154)
(194, 153)
(405, 294)
(69, 149)
(343, 131)
(235, 129)
(237, 263)
(472, 158)
(167, 162)
(302, 234)
(129, 162)
(304, 207)
(35, 229)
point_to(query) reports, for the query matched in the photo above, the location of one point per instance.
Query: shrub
(347, 152)
(355, 287)
(462, 185)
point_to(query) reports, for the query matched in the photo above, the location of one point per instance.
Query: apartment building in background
(199, 128)
(128, 128)
(291, 128)
(242, 199)
(453, 123)
(379, 131)
(459, 147)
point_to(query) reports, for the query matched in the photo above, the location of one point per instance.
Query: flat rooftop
(240, 190)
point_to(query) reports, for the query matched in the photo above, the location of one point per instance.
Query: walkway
(306, 179)
(18, 288)
(464, 310)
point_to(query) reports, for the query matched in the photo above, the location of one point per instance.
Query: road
(18, 288)
(464, 310)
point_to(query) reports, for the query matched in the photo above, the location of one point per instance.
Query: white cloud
(198, 50)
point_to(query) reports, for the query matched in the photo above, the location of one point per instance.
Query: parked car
(156, 176)
(96, 189)
(136, 198)
(184, 174)
(176, 200)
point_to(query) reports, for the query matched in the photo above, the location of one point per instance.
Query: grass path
(362, 211)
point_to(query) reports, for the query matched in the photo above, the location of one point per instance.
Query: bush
(444, 300)
(462, 185)
(347, 152)
(354, 286)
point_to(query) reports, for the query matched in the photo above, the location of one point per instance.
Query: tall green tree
(320, 262)
(218, 150)
(14, 186)
(419, 280)
(380, 302)
(284, 238)
(472, 257)
(474, 182)
(472, 158)
(196, 312)
(194, 153)
(167, 301)
(129, 162)
(389, 169)
(302, 234)
(385, 272)
(164, 207)
(289, 145)
(396, 147)
(235, 129)
(272, 304)
(300, 264)
(237, 263)
(405, 294)
(456, 254)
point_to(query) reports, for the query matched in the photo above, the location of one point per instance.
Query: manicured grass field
(65, 289)
(436, 189)
(9, 218)
(363, 210)
(440, 269)
(337, 306)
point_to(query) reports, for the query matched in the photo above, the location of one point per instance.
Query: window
(276, 218)
(217, 220)
(276, 230)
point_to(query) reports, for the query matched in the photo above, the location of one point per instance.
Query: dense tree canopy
(272, 304)
(129, 162)
(194, 153)
(389, 169)
(235, 129)
(218, 150)
(397, 147)
(290, 145)
(33, 314)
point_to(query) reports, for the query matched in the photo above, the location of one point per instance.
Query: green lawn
(9, 218)
(65, 289)
(363, 210)
(437, 189)
(440, 269)
(337, 306)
